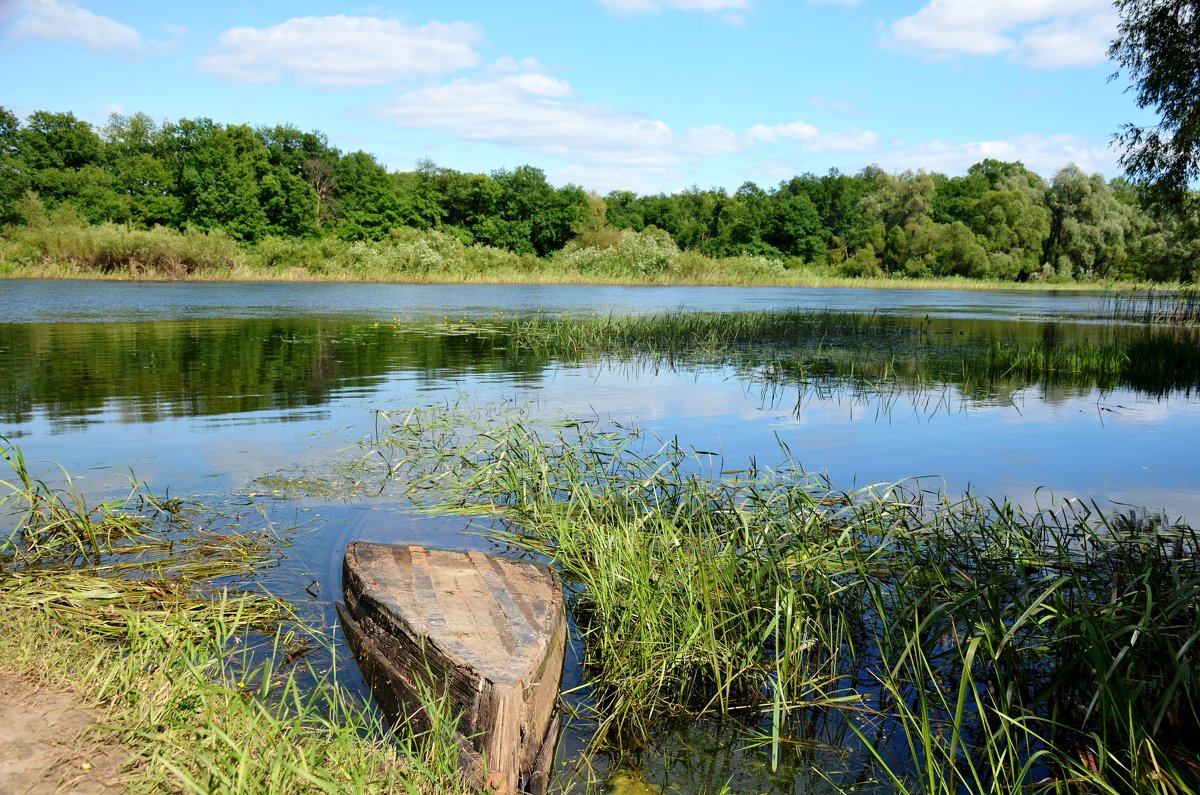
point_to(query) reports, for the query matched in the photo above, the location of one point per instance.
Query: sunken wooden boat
(487, 633)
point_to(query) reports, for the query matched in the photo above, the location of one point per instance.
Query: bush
(863, 264)
(288, 253)
(636, 254)
(111, 247)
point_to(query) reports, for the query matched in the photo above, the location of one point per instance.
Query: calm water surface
(206, 389)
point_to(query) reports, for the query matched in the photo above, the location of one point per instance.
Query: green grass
(972, 647)
(205, 681)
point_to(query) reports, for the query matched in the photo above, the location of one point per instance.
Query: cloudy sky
(644, 95)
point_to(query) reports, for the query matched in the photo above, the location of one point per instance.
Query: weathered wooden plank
(487, 632)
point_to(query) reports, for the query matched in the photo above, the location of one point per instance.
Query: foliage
(1158, 43)
(998, 221)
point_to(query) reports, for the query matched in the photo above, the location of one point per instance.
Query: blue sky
(643, 95)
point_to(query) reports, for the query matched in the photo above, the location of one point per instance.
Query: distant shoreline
(68, 271)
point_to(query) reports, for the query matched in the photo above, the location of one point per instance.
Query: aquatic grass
(668, 582)
(842, 351)
(206, 681)
(970, 645)
(56, 523)
(1179, 307)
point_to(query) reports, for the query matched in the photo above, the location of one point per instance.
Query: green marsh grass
(969, 645)
(203, 680)
(866, 352)
(1180, 307)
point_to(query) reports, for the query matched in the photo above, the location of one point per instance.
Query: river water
(221, 390)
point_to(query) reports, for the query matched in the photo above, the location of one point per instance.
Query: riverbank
(113, 252)
(50, 744)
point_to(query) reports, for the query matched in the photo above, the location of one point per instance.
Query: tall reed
(1159, 307)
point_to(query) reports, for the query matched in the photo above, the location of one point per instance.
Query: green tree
(593, 230)
(218, 172)
(367, 202)
(294, 157)
(1090, 229)
(420, 200)
(1013, 224)
(902, 200)
(55, 147)
(793, 225)
(944, 250)
(467, 200)
(838, 198)
(623, 210)
(14, 173)
(1158, 43)
(529, 202)
(135, 152)
(57, 141)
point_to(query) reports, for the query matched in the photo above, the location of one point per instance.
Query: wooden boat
(489, 633)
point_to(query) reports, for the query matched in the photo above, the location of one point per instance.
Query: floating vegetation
(967, 645)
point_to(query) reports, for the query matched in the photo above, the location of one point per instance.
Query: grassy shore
(146, 610)
(112, 252)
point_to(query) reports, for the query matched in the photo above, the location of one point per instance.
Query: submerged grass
(203, 679)
(970, 646)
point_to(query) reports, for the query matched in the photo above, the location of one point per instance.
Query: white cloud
(645, 6)
(342, 51)
(853, 139)
(66, 21)
(518, 105)
(1069, 42)
(1043, 154)
(533, 111)
(1042, 33)
(713, 140)
(846, 3)
(795, 131)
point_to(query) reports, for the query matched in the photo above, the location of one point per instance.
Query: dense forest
(998, 221)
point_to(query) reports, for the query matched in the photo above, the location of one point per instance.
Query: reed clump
(969, 645)
(1179, 307)
(866, 351)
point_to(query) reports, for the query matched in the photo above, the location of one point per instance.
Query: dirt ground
(43, 748)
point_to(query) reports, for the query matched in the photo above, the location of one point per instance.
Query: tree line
(998, 221)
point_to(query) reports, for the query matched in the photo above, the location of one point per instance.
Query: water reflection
(76, 374)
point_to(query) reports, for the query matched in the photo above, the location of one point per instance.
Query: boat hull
(486, 634)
